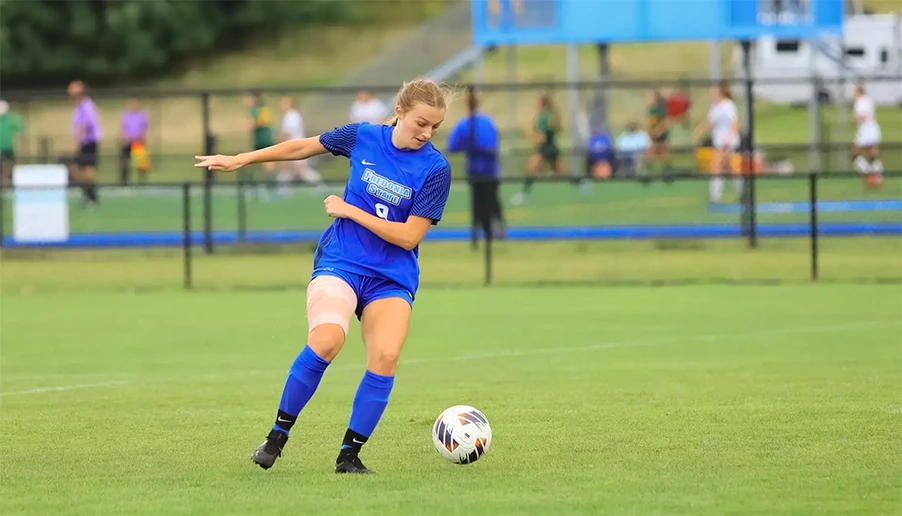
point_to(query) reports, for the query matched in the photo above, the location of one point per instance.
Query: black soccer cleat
(350, 463)
(266, 454)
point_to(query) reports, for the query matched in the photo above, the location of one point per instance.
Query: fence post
(814, 122)
(2, 209)
(812, 199)
(749, 222)
(488, 257)
(242, 211)
(186, 233)
(44, 150)
(208, 217)
(209, 148)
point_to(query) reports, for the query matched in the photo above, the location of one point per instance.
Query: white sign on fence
(40, 204)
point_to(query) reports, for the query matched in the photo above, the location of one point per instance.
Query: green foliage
(47, 42)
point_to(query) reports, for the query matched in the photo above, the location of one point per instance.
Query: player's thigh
(384, 325)
(534, 163)
(331, 302)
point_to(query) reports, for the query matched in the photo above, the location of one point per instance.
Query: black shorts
(87, 155)
(126, 153)
(549, 153)
(7, 156)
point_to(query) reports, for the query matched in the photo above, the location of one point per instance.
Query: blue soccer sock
(303, 379)
(369, 405)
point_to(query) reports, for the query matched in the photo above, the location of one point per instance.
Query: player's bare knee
(326, 340)
(383, 361)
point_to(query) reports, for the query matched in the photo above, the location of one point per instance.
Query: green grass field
(606, 397)
(620, 377)
(682, 400)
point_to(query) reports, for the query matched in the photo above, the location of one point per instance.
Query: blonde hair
(425, 91)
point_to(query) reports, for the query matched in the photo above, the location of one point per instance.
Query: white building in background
(873, 47)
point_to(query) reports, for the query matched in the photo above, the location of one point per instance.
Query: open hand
(219, 162)
(336, 207)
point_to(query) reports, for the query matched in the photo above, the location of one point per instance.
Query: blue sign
(805, 207)
(598, 21)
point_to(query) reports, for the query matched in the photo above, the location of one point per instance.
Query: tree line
(46, 43)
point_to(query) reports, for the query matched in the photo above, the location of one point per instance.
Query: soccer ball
(462, 434)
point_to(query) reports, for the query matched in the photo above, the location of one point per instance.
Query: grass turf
(684, 400)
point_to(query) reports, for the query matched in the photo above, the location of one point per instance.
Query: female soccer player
(867, 139)
(723, 123)
(658, 155)
(366, 262)
(544, 132)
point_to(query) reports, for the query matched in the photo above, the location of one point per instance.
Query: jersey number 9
(382, 211)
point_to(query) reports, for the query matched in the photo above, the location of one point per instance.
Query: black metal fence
(808, 121)
(620, 231)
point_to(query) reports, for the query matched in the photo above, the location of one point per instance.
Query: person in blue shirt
(366, 261)
(477, 136)
(599, 156)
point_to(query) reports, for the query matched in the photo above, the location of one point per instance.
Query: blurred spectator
(723, 124)
(600, 156)
(10, 128)
(659, 130)
(86, 137)
(260, 122)
(544, 131)
(631, 146)
(678, 104)
(133, 138)
(867, 139)
(292, 128)
(367, 108)
(477, 136)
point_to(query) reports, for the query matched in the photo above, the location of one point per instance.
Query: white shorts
(868, 135)
(726, 144)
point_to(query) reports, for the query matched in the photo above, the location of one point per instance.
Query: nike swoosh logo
(365, 162)
(280, 420)
(355, 441)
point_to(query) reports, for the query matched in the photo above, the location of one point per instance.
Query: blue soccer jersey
(390, 183)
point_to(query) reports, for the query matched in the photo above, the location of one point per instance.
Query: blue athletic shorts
(367, 288)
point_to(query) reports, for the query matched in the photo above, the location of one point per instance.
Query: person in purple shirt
(133, 137)
(86, 135)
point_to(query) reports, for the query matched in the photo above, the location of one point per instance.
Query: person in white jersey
(867, 138)
(292, 128)
(723, 124)
(367, 108)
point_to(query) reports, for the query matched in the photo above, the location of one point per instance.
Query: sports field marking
(661, 340)
(517, 353)
(42, 390)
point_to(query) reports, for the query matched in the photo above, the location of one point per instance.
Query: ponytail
(418, 91)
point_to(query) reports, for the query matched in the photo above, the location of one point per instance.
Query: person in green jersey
(544, 131)
(10, 127)
(659, 131)
(259, 121)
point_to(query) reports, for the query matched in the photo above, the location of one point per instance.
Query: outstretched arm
(286, 151)
(339, 141)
